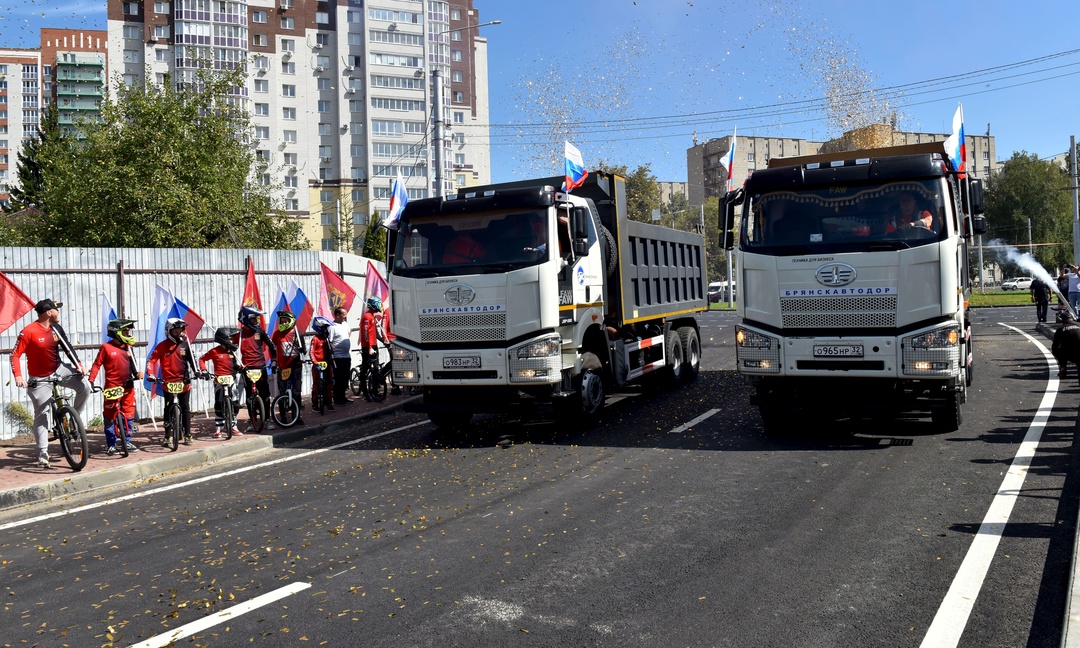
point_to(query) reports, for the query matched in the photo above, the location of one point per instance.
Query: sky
(631, 82)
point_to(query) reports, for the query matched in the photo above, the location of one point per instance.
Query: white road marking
(687, 426)
(171, 637)
(952, 616)
(162, 489)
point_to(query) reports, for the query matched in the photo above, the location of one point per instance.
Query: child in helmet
(255, 344)
(321, 352)
(289, 343)
(119, 378)
(370, 334)
(171, 361)
(223, 357)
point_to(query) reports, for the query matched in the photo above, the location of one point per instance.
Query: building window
(455, 14)
(455, 55)
(326, 197)
(287, 22)
(288, 67)
(258, 16)
(325, 174)
(323, 84)
(161, 7)
(131, 8)
(263, 155)
(163, 55)
(262, 86)
(459, 159)
(259, 40)
(290, 159)
(322, 39)
(322, 18)
(326, 152)
(130, 31)
(288, 45)
(288, 113)
(322, 61)
(262, 132)
(292, 204)
(323, 105)
(356, 150)
(262, 110)
(161, 31)
(359, 218)
(131, 56)
(459, 96)
(288, 90)
(456, 76)
(358, 195)
(328, 245)
(325, 129)
(290, 182)
(459, 180)
(459, 117)
(289, 136)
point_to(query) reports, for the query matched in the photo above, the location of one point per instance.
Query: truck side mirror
(579, 223)
(728, 202)
(727, 240)
(973, 197)
(978, 224)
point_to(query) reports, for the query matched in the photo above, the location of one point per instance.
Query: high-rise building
(341, 93)
(68, 69)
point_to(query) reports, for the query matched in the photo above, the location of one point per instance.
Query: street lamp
(436, 81)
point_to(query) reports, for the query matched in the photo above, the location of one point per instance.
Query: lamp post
(437, 88)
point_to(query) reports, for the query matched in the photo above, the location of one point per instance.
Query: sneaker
(131, 447)
(188, 440)
(43, 459)
(165, 442)
(217, 434)
(237, 432)
(329, 408)
(111, 450)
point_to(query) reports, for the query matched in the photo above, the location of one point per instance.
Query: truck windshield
(891, 215)
(451, 244)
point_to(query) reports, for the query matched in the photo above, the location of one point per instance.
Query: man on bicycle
(41, 342)
(370, 334)
(223, 356)
(254, 345)
(341, 347)
(289, 344)
(120, 375)
(173, 356)
(321, 352)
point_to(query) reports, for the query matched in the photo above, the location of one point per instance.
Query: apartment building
(340, 93)
(68, 68)
(707, 177)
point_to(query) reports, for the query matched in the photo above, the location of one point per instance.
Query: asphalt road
(644, 531)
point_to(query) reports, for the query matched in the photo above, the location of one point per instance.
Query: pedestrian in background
(1063, 291)
(1074, 288)
(1040, 296)
(341, 347)
(1066, 345)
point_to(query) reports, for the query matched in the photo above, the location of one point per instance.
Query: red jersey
(41, 344)
(115, 357)
(254, 345)
(288, 347)
(369, 331)
(222, 358)
(173, 360)
(320, 350)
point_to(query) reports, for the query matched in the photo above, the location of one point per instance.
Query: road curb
(157, 467)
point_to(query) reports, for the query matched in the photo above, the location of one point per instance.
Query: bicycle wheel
(376, 385)
(256, 412)
(285, 410)
(229, 416)
(356, 381)
(176, 426)
(122, 434)
(73, 442)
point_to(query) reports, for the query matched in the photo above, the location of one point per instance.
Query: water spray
(1028, 262)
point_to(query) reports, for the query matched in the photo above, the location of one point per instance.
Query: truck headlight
(405, 364)
(544, 348)
(936, 339)
(536, 361)
(750, 340)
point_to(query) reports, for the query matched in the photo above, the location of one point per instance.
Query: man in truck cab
(911, 216)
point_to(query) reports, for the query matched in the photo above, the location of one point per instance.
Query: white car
(1017, 283)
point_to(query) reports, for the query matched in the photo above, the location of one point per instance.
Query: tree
(1029, 189)
(642, 190)
(30, 190)
(165, 166)
(375, 239)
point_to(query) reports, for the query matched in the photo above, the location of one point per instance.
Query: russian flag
(573, 167)
(282, 304)
(195, 322)
(956, 145)
(399, 197)
(165, 306)
(300, 305)
(729, 159)
(107, 314)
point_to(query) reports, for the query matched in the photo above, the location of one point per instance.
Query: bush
(19, 417)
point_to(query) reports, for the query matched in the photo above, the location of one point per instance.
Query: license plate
(461, 362)
(838, 350)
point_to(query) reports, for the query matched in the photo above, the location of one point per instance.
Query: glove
(372, 352)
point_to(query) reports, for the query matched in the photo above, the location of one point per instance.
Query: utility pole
(1074, 177)
(436, 81)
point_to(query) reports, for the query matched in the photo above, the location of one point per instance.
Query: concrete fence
(209, 281)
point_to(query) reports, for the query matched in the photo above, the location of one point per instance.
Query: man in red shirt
(224, 358)
(41, 342)
(290, 354)
(120, 374)
(254, 345)
(370, 334)
(173, 357)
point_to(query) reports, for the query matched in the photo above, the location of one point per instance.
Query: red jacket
(222, 358)
(41, 345)
(254, 345)
(288, 347)
(369, 331)
(173, 360)
(320, 350)
(115, 357)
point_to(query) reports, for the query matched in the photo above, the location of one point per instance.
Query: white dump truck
(853, 285)
(520, 294)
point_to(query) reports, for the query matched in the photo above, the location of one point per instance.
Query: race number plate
(838, 350)
(113, 393)
(461, 362)
(227, 379)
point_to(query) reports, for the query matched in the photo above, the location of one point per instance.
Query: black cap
(46, 305)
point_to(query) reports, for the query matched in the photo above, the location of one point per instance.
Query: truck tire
(589, 393)
(610, 250)
(673, 351)
(450, 421)
(968, 375)
(691, 352)
(948, 416)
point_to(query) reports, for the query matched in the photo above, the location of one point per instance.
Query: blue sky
(630, 82)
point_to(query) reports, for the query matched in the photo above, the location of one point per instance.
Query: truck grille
(474, 327)
(839, 312)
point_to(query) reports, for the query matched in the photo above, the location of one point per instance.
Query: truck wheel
(673, 371)
(691, 352)
(588, 399)
(970, 365)
(449, 420)
(611, 251)
(948, 416)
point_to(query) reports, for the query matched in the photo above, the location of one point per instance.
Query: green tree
(1029, 189)
(642, 190)
(165, 167)
(30, 190)
(375, 240)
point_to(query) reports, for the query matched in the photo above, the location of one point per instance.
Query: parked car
(718, 292)
(1017, 283)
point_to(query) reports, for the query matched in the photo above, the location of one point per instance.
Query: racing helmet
(225, 337)
(174, 323)
(120, 329)
(249, 316)
(374, 303)
(321, 326)
(286, 320)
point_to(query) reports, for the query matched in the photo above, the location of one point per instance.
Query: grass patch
(1003, 298)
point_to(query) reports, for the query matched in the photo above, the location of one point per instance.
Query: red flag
(335, 292)
(251, 294)
(13, 303)
(375, 286)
